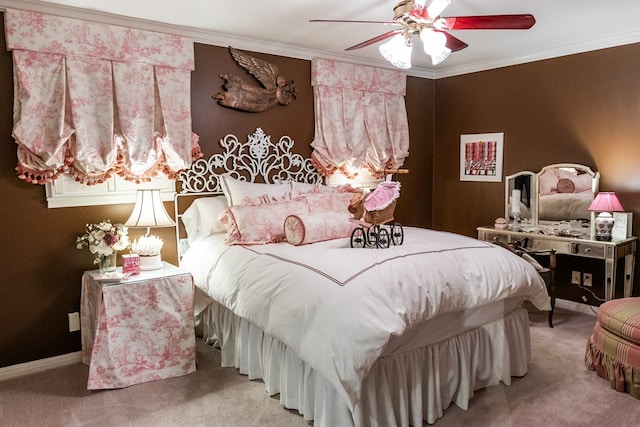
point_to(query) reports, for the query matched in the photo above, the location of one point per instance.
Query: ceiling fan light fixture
(397, 51)
(438, 57)
(433, 41)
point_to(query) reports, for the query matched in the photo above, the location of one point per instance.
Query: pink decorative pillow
(302, 187)
(316, 227)
(583, 182)
(328, 202)
(250, 225)
(566, 186)
(548, 182)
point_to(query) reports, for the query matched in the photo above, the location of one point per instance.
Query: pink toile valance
(95, 99)
(360, 117)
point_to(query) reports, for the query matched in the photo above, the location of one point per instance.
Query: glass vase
(107, 262)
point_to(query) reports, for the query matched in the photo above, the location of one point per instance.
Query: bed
(361, 337)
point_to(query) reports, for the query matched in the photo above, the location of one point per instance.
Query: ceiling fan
(422, 17)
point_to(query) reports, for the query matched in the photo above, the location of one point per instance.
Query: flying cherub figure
(242, 96)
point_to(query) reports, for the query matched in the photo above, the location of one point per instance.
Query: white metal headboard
(257, 157)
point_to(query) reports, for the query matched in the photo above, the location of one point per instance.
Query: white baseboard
(576, 306)
(37, 366)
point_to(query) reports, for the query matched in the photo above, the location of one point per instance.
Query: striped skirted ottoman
(613, 350)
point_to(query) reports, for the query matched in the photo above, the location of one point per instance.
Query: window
(66, 192)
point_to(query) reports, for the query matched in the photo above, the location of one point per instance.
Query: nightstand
(139, 329)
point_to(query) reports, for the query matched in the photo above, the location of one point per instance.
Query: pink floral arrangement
(103, 239)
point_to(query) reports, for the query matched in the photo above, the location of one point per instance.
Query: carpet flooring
(557, 391)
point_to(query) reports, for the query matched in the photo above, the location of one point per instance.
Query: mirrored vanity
(550, 210)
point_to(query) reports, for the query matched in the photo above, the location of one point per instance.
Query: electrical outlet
(575, 277)
(586, 280)
(74, 321)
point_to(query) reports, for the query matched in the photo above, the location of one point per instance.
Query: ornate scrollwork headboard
(257, 159)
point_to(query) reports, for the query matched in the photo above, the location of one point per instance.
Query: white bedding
(565, 206)
(338, 307)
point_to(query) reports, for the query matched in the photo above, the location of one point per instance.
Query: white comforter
(565, 206)
(337, 307)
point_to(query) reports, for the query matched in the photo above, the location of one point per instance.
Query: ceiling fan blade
(487, 22)
(375, 39)
(354, 22)
(454, 43)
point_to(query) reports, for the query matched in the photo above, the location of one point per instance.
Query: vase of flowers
(108, 262)
(104, 240)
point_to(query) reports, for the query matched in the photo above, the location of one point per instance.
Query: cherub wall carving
(242, 96)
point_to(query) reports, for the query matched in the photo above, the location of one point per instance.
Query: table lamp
(605, 203)
(149, 212)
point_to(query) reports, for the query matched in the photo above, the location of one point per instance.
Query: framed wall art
(481, 157)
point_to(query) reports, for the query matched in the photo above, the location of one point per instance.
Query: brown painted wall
(42, 270)
(578, 109)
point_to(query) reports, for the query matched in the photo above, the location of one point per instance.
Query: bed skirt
(400, 390)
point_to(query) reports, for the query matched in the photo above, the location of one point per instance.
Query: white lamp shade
(434, 41)
(440, 56)
(397, 51)
(149, 211)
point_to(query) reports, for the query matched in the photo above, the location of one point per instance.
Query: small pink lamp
(605, 203)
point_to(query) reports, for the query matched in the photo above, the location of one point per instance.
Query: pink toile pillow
(328, 202)
(302, 187)
(250, 225)
(316, 227)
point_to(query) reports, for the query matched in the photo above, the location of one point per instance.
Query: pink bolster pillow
(301, 229)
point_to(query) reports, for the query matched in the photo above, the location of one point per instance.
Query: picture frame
(622, 226)
(481, 157)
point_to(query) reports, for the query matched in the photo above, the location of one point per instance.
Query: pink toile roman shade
(94, 99)
(360, 117)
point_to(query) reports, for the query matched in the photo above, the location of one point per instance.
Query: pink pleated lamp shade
(606, 202)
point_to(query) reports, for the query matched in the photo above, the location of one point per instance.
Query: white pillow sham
(237, 191)
(201, 218)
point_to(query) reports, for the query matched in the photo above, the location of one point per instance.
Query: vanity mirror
(521, 199)
(565, 191)
(559, 192)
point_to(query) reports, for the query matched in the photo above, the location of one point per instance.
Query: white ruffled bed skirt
(400, 390)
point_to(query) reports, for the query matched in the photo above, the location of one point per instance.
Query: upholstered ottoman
(613, 350)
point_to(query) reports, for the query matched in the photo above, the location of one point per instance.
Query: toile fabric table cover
(139, 329)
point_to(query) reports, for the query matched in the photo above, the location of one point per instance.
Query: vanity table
(549, 210)
(609, 264)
